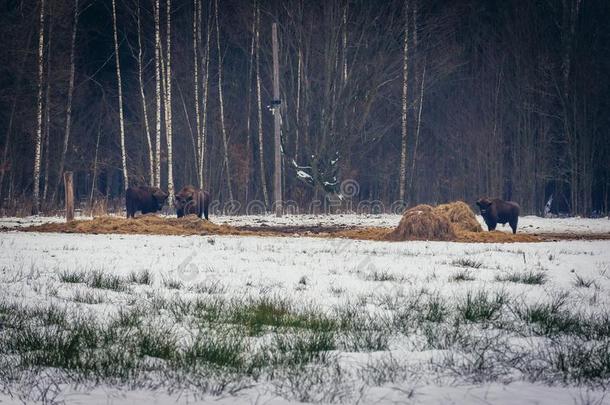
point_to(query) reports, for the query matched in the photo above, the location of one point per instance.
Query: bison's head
(483, 204)
(185, 198)
(160, 197)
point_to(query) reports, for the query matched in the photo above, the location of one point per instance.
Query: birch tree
(47, 114)
(405, 78)
(157, 175)
(222, 113)
(120, 89)
(196, 42)
(168, 107)
(205, 65)
(38, 139)
(151, 162)
(261, 157)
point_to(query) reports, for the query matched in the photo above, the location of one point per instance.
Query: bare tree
(151, 161)
(157, 182)
(405, 80)
(68, 127)
(205, 65)
(261, 157)
(120, 89)
(168, 108)
(38, 139)
(196, 42)
(47, 108)
(222, 112)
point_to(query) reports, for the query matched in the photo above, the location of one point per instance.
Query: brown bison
(496, 211)
(145, 199)
(191, 200)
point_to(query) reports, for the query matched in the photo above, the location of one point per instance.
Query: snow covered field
(126, 319)
(527, 224)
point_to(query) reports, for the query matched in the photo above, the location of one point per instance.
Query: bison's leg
(513, 225)
(180, 212)
(205, 210)
(491, 225)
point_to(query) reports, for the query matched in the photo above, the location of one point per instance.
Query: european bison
(191, 200)
(496, 211)
(145, 199)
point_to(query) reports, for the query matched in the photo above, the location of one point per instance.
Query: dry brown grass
(418, 223)
(143, 225)
(460, 215)
(422, 222)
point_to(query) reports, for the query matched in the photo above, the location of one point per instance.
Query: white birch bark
(168, 108)
(38, 138)
(151, 162)
(157, 182)
(47, 113)
(222, 118)
(196, 41)
(405, 77)
(206, 74)
(261, 157)
(120, 89)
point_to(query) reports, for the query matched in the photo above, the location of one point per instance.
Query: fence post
(69, 193)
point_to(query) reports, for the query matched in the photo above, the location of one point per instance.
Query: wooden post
(277, 178)
(69, 192)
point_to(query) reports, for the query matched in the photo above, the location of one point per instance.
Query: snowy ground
(527, 224)
(127, 319)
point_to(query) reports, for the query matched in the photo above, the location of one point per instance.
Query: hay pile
(423, 222)
(143, 225)
(460, 215)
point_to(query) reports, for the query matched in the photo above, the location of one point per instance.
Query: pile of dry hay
(460, 215)
(143, 225)
(423, 222)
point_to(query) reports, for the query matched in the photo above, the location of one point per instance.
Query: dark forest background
(505, 98)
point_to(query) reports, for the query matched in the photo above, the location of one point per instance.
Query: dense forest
(415, 101)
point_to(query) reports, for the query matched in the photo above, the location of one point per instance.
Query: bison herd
(189, 200)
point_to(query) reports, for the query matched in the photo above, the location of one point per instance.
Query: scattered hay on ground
(143, 225)
(422, 222)
(495, 237)
(460, 215)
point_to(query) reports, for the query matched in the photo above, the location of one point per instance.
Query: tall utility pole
(277, 178)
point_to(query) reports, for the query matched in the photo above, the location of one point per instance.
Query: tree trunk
(418, 127)
(47, 112)
(205, 61)
(261, 157)
(196, 41)
(405, 77)
(157, 176)
(222, 117)
(168, 108)
(120, 89)
(64, 150)
(38, 139)
(151, 162)
(277, 179)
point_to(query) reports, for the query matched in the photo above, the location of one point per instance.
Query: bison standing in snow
(191, 200)
(145, 199)
(496, 211)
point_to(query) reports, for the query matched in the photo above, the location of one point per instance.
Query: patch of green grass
(531, 277)
(143, 277)
(228, 351)
(582, 282)
(378, 275)
(465, 262)
(87, 297)
(73, 277)
(97, 279)
(173, 284)
(276, 314)
(480, 306)
(435, 309)
(462, 275)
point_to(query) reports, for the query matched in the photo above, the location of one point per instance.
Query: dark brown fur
(191, 200)
(145, 199)
(496, 211)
